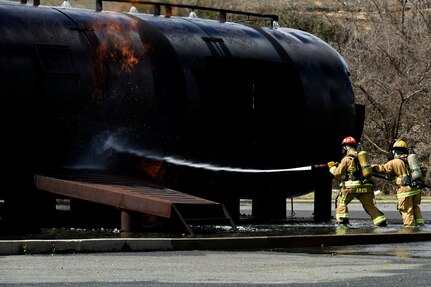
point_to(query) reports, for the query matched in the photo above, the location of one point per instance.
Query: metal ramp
(131, 194)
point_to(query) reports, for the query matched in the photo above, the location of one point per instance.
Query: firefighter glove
(332, 163)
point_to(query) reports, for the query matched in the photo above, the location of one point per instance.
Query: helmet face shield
(400, 150)
(344, 150)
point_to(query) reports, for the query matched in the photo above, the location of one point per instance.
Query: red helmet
(348, 141)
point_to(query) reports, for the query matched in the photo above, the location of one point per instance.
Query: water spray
(112, 144)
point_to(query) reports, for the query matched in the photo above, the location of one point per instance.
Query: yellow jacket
(398, 169)
(350, 170)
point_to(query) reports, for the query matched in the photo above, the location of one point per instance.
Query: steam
(111, 143)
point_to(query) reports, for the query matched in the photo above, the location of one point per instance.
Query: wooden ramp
(131, 194)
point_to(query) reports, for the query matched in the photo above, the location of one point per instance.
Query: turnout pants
(367, 201)
(410, 210)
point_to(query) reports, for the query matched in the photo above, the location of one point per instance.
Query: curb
(21, 247)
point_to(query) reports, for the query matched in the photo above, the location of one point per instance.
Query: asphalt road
(363, 265)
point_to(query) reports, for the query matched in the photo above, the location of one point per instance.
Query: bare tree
(389, 58)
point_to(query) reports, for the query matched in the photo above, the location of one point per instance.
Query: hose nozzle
(318, 166)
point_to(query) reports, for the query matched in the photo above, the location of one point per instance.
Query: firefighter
(353, 185)
(408, 192)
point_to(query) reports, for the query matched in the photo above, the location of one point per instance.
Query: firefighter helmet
(400, 144)
(400, 147)
(349, 141)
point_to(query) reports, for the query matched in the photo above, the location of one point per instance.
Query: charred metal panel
(133, 195)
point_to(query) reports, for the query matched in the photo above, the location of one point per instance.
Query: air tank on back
(77, 83)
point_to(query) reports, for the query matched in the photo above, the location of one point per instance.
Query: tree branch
(376, 145)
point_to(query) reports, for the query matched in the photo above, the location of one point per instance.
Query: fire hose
(418, 184)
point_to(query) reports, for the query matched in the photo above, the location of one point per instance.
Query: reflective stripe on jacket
(398, 169)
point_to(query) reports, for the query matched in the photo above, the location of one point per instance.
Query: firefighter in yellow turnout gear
(354, 186)
(408, 193)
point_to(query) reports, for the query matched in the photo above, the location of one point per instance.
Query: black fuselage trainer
(125, 91)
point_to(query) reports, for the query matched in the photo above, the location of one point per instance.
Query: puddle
(245, 230)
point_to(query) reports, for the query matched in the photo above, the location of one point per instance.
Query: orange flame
(153, 169)
(117, 44)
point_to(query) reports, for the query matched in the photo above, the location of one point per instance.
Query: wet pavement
(297, 231)
(299, 222)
